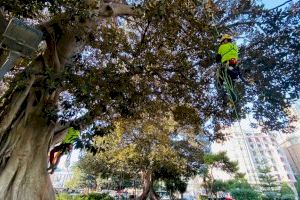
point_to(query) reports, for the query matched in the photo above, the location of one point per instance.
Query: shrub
(245, 194)
(66, 196)
(95, 196)
(92, 196)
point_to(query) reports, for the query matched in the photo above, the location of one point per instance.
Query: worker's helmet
(225, 36)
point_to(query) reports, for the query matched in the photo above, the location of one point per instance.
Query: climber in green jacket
(229, 71)
(228, 51)
(64, 148)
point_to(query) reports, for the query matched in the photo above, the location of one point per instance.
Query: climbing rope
(229, 86)
(222, 74)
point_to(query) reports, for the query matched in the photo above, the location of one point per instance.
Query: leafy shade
(99, 68)
(212, 162)
(297, 185)
(148, 148)
(220, 161)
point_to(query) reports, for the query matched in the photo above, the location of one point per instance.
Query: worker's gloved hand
(230, 68)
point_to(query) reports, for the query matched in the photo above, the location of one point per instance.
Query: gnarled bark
(148, 190)
(23, 173)
(26, 131)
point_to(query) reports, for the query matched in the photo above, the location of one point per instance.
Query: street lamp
(22, 40)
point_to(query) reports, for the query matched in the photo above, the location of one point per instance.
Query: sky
(273, 3)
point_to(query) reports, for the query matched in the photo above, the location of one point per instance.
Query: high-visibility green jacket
(228, 51)
(71, 136)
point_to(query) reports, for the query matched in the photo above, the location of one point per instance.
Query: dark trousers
(232, 74)
(60, 149)
(227, 75)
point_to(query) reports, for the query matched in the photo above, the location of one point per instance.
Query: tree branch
(3, 24)
(59, 135)
(12, 111)
(117, 9)
(281, 5)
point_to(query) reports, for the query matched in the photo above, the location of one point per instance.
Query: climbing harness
(233, 61)
(21, 40)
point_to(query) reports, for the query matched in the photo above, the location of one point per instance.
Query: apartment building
(253, 149)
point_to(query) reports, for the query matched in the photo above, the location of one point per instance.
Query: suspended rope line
(229, 87)
(222, 74)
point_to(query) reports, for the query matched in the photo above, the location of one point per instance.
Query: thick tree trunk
(148, 190)
(153, 195)
(147, 183)
(26, 129)
(24, 175)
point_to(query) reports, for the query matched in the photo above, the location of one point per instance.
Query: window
(278, 151)
(262, 152)
(267, 145)
(278, 176)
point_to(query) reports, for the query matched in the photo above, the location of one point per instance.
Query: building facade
(253, 150)
(60, 178)
(291, 147)
(290, 143)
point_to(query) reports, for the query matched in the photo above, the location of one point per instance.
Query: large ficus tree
(153, 148)
(98, 67)
(28, 109)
